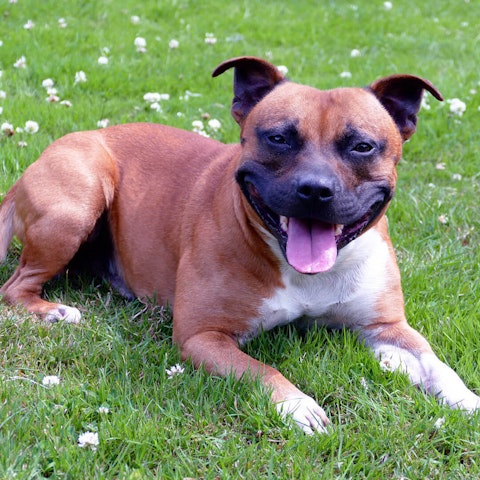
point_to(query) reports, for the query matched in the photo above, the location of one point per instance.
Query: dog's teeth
(339, 229)
(284, 223)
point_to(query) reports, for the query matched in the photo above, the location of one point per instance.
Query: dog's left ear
(401, 95)
(253, 79)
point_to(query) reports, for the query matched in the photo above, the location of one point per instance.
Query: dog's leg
(400, 347)
(219, 354)
(25, 286)
(49, 245)
(58, 202)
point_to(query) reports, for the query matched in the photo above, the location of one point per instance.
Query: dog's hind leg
(57, 203)
(25, 287)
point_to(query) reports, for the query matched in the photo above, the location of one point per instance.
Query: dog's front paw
(470, 402)
(308, 415)
(62, 313)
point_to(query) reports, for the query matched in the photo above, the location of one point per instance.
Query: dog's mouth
(310, 245)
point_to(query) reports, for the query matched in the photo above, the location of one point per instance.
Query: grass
(195, 425)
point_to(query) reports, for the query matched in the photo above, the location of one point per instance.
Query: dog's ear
(401, 95)
(253, 79)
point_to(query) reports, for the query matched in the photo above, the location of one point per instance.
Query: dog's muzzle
(309, 231)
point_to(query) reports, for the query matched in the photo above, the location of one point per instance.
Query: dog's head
(319, 167)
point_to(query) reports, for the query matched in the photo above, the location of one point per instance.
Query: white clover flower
(156, 106)
(62, 23)
(355, 53)
(88, 439)
(439, 423)
(7, 129)
(135, 19)
(173, 43)
(1, 110)
(29, 25)
(80, 77)
(440, 166)
(21, 62)
(210, 39)
(387, 5)
(48, 83)
(103, 410)
(66, 103)
(345, 75)
(31, 126)
(102, 60)
(52, 91)
(140, 44)
(175, 370)
(103, 123)
(50, 380)
(152, 97)
(197, 125)
(52, 98)
(457, 107)
(155, 97)
(282, 69)
(22, 144)
(456, 176)
(1, 43)
(3, 95)
(214, 124)
(443, 219)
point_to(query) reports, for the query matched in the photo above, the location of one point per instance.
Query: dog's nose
(316, 189)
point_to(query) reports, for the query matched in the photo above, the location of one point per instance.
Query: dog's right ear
(253, 79)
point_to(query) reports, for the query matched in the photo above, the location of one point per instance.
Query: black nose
(316, 189)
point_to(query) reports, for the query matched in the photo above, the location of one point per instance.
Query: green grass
(199, 426)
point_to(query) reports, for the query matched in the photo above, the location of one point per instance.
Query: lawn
(108, 375)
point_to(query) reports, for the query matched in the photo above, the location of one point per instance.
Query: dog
(289, 224)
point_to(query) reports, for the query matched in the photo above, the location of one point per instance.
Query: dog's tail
(7, 209)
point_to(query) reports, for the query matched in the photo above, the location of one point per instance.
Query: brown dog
(239, 238)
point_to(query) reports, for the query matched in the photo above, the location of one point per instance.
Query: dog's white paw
(62, 313)
(306, 413)
(468, 402)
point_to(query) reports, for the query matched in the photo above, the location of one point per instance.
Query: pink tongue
(311, 246)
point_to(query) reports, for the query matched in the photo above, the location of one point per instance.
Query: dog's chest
(344, 296)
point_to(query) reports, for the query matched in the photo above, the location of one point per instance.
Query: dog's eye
(277, 139)
(362, 147)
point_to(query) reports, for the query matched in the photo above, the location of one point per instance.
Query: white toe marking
(64, 314)
(306, 413)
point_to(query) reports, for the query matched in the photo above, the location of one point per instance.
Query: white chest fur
(343, 296)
